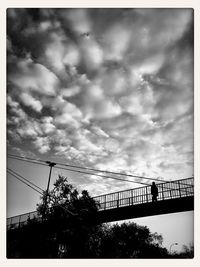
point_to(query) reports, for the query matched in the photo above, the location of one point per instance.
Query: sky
(110, 89)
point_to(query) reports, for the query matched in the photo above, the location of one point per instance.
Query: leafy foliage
(64, 201)
(67, 221)
(187, 252)
(127, 240)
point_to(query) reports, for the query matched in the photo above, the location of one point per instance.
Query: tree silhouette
(127, 240)
(68, 219)
(187, 252)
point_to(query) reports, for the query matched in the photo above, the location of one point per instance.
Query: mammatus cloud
(28, 100)
(108, 88)
(27, 75)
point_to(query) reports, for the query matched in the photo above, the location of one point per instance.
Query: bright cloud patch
(28, 100)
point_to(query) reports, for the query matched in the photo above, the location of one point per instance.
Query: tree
(187, 252)
(67, 221)
(127, 240)
(72, 217)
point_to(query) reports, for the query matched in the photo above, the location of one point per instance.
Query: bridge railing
(141, 195)
(19, 220)
(169, 190)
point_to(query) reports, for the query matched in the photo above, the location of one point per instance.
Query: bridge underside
(147, 209)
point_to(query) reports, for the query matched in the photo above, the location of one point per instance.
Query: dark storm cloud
(111, 88)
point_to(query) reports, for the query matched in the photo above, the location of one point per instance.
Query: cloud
(117, 40)
(79, 20)
(66, 119)
(150, 36)
(42, 144)
(114, 82)
(98, 131)
(61, 55)
(11, 103)
(30, 101)
(72, 56)
(150, 65)
(92, 54)
(68, 115)
(107, 88)
(16, 114)
(95, 105)
(55, 52)
(70, 92)
(29, 129)
(47, 125)
(26, 131)
(27, 75)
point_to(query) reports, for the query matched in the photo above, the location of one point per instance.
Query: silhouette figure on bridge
(154, 192)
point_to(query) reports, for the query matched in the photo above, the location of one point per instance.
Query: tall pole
(51, 164)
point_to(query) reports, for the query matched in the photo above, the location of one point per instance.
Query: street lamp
(173, 244)
(51, 165)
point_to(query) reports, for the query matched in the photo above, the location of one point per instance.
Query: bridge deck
(173, 196)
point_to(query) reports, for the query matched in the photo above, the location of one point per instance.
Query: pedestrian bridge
(173, 196)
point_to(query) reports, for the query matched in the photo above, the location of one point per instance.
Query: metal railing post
(179, 187)
(147, 194)
(132, 197)
(118, 200)
(162, 191)
(170, 192)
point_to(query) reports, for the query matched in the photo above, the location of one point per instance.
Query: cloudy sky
(105, 88)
